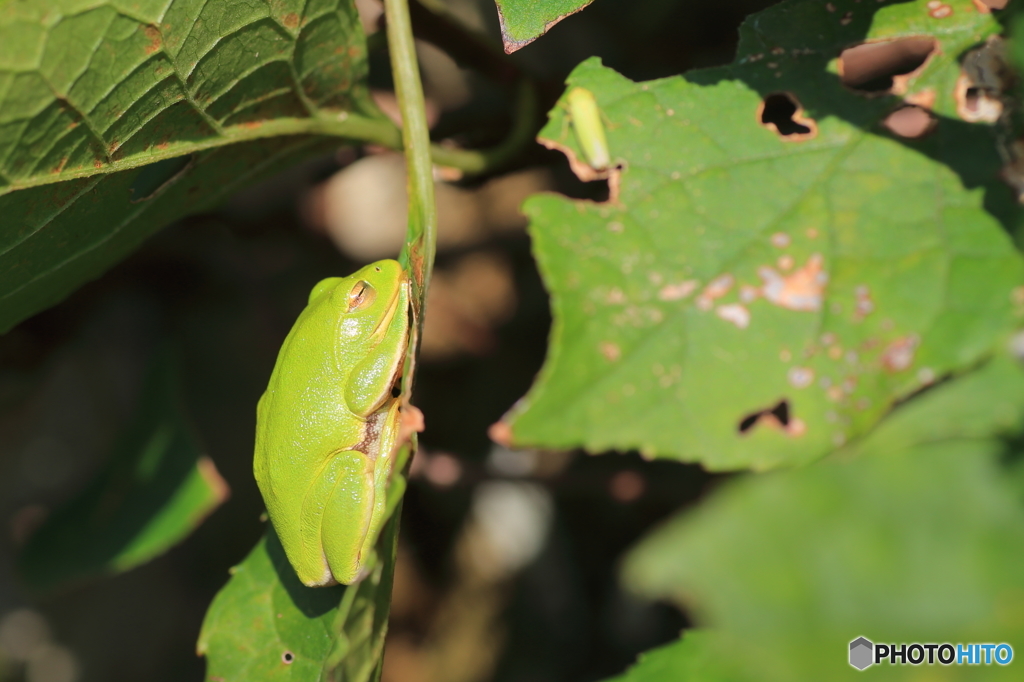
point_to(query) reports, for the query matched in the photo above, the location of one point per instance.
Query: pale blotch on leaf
(735, 313)
(716, 288)
(801, 377)
(780, 240)
(749, 294)
(616, 297)
(939, 10)
(676, 292)
(802, 290)
(865, 305)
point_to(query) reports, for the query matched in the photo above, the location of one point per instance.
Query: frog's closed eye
(362, 295)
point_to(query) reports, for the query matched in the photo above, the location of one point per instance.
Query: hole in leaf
(287, 657)
(879, 68)
(910, 122)
(782, 113)
(777, 416)
(156, 176)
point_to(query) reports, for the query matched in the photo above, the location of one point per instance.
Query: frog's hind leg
(336, 514)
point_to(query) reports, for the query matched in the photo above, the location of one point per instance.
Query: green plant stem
(421, 238)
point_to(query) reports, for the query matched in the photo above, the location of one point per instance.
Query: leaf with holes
(916, 537)
(932, 55)
(266, 625)
(157, 487)
(523, 21)
(116, 119)
(774, 268)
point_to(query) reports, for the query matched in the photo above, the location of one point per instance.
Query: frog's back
(302, 417)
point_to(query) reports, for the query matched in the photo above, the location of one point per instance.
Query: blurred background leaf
(156, 488)
(690, 658)
(915, 537)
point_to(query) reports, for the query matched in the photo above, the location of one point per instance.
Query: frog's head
(371, 307)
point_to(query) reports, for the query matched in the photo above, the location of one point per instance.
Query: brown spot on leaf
(879, 68)
(782, 113)
(60, 165)
(291, 20)
(899, 354)
(986, 6)
(777, 417)
(610, 350)
(910, 122)
(155, 41)
(802, 290)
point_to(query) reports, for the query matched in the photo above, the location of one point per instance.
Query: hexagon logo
(861, 651)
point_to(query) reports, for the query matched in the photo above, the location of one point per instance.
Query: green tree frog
(328, 425)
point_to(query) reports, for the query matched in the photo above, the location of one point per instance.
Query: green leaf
(157, 487)
(750, 299)
(266, 625)
(915, 537)
(90, 93)
(690, 659)
(523, 21)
